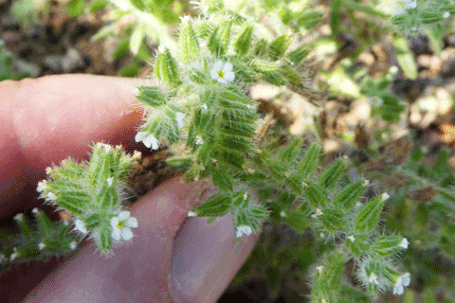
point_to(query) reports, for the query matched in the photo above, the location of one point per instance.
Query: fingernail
(206, 258)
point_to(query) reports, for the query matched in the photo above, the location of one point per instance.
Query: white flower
(373, 279)
(184, 19)
(73, 245)
(2, 256)
(204, 107)
(51, 196)
(243, 229)
(402, 282)
(179, 117)
(19, 217)
(14, 255)
(80, 226)
(161, 49)
(110, 181)
(222, 73)
(385, 196)
(149, 140)
(136, 91)
(41, 246)
(366, 183)
(121, 226)
(252, 107)
(320, 268)
(317, 213)
(375, 101)
(404, 243)
(42, 186)
(351, 237)
(410, 4)
(283, 214)
(192, 214)
(199, 140)
(446, 15)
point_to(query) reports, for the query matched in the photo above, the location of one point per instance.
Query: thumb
(172, 258)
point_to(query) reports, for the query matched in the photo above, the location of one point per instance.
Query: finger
(167, 261)
(48, 119)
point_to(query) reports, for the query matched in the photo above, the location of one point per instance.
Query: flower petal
(114, 222)
(132, 222)
(123, 215)
(229, 76)
(222, 80)
(140, 136)
(116, 234)
(227, 67)
(127, 234)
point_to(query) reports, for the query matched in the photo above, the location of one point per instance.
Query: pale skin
(172, 258)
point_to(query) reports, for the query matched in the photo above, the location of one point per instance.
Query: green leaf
(216, 206)
(151, 96)
(367, 217)
(136, 38)
(297, 221)
(367, 9)
(222, 178)
(104, 239)
(97, 5)
(309, 162)
(387, 245)
(219, 40)
(405, 57)
(75, 8)
(335, 17)
(279, 46)
(315, 195)
(188, 44)
(333, 219)
(329, 178)
(348, 197)
(44, 224)
(243, 41)
(166, 68)
(297, 55)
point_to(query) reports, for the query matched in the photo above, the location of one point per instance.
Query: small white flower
(222, 73)
(19, 217)
(35, 211)
(410, 4)
(161, 49)
(252, 107)
(51, 196)
(191, 214)
(14, 255)
(48, 170)
(385, 196)
(41, 246)
(204, 107)
(149, 140)
(366, 183)
(110, 181)
(73, 245)
(402, 282)
(317, 213)
(179, 117)
(80, 226)
(283, 214)
(373, 278)
(184, 19)
(375, 101)
(446, 15)
(351, 237)
(320, 269)
(394, 69)
(243, 229)
(199, 140)
(121, 226)
(136, 91)
(404, 243)
(42, 186)
(245, 196)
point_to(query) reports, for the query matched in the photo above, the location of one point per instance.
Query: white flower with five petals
(121, 226)
(148, 139)
(402, 282)
(222, 72)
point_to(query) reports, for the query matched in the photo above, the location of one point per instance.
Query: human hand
(172, 258)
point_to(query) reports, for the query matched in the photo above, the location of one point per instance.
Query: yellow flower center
(220, 74)
(121, 224)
